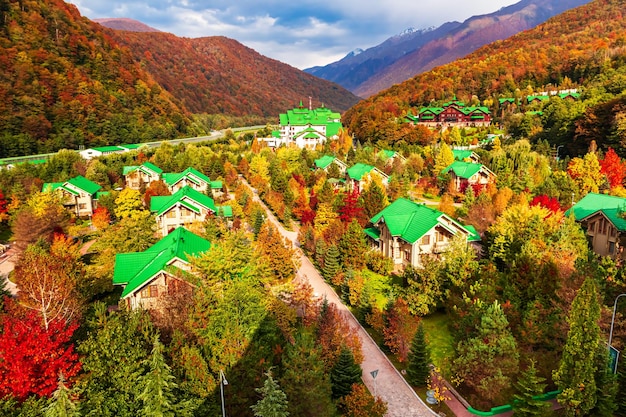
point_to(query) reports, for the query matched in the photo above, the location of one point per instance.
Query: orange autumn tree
(614, 168)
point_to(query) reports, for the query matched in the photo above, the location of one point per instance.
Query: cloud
(303, 34)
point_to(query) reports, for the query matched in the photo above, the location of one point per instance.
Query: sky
(301, 33)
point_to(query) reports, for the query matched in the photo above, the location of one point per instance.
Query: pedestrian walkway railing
(508, 407)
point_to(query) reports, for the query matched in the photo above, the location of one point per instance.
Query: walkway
(389, 385)
(6, 266)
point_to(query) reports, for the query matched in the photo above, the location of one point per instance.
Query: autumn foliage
(31, 356)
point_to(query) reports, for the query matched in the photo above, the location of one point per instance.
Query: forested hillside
(220, 75)
(583, 47)
(64, 82)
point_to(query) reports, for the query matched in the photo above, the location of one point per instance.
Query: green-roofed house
(79, 194)
(453, 113)
(602, 217)
(138, 177)
(408, 232)
(190, 177)
(464, 174)
(107, 150)
(358, 174)
(148, 277)
(388, 157)
(184, 207)
(466, 155)
(326, 161)
(308, 127)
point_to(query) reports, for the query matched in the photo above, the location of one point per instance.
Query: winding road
(389, 384)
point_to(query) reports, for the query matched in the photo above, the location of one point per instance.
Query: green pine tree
(345, 373)
(621, 392)
(352, 246)
(530, 385)
(575, 376)
(418, 369)
(158, 396)
(273, 402)
(331, 263)
(607, 386)
(61, 404)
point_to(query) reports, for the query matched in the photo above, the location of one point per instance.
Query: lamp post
(613, 318)
(223, 382)
(557, 152)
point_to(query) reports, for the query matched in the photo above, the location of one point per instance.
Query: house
(602, 217)
(306, 127)
(468, 173)
(79, 194)
(138, 177)
(327, 160)
(185, 206)
(107, 150)
(193, 178)
(389, 156)
(451, 114)
(359, 173)
(466, 155)
(408, 232)
(147, 277)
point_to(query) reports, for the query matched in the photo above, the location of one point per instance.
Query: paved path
(6, 266)
(389, 385)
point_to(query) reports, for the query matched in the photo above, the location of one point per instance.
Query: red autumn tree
(351, 208)
(101, 218)
(401, 328)
(613, 167)
(31, 356)
(551, 203)
(155, 188)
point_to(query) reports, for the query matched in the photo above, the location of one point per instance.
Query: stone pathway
(389, 385)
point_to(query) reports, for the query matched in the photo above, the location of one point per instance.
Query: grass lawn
(439, 339)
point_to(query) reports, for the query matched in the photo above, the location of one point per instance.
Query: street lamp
(223, 382)
(612, 324)
(557, 152)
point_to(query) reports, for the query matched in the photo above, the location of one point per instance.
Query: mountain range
(413, 52)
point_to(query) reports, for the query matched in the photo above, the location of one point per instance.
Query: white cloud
(304, 33)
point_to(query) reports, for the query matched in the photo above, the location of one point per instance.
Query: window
(82, 206)
(151, 291)
(407, 255)
(171, 214)
(440, 237)
(426, 240)
(612, 248)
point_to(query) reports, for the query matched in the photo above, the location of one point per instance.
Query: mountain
(122, 23)
(218, 75)
(64, 82)
(402, 57)
(591, 46)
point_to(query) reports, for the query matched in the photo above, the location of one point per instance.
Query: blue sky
(302, 33)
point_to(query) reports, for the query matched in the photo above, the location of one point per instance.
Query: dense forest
(590, 55)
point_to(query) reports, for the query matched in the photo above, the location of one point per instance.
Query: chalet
(191, 178)
(79, 194)
(408, 232)
(453, 113)
(466, 155)
(464, 174)
(138, 177)
(537, 98)
(326, 161)
(147, 277)
(107, 150)
(185, 206)
(306, 127)
(357, 175)
(389, 156)
(604, 219)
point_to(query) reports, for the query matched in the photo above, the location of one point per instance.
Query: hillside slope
(220, 75)
(591, 39)
(64, 82)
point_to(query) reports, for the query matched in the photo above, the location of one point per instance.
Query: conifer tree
(418, 368)
(575, 376)
(331, 263)
(528, 386)
(621, 393)
(606, 383)
(352, 246)
(61, 404)
(273, 402)
(159, 385)
(345, 373)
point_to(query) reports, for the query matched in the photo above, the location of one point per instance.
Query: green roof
(146, 166)
(186, 195)
(506, 100)
(321, 116)
(79, 182)
(105, 149)
(463, 169)
(462, 154)
(594, 202)
(388, 153)
(137, 269)
(132, 146)
(615, 216)
(357, 171)
(409, 220)
(216, 185)
(324, 161)
(540, 98)
(372, 232)
(474, 236)
(172, 178)
(225, 211)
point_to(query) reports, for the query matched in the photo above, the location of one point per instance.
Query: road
(389, 384)
(6, 266)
